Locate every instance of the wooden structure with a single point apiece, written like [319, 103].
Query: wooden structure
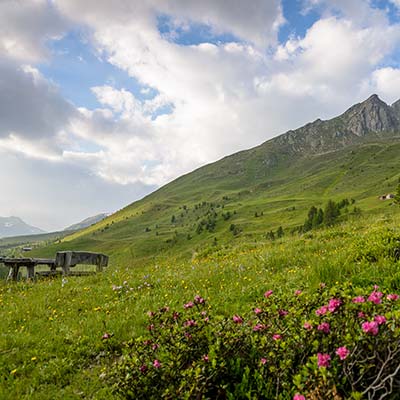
[64, 259]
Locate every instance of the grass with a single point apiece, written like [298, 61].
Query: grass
[51, 332]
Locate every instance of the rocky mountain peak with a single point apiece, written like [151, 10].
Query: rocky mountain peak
[396, 108]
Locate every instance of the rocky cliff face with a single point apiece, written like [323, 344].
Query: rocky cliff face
[371, 118]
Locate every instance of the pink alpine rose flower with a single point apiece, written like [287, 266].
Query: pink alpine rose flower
[322, 310]
[298, 292]
[370, 328]
[307, 326]
[380, 319]
[258, 327]
[298, 397]
[268, 293]
[323, 360]
[263, 361]
[324, 327]
[257, 311]
[188, 305]
[237, 319]
[342, 352]
[359, 299]
[393, 297]
[334, 304]
[375, 297]
[277, 336]
[156, 364]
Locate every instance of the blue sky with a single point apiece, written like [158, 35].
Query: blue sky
[122, 97]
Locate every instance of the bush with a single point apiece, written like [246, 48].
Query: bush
[334, 343]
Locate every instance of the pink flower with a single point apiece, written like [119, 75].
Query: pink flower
[258, 311]
[283, 313]
[334, 304]
[188, 335]
[258, 327]
[307, 326]
[190, 322]
[150, 314]
[156, 364]
[359, 299]
[342, 352]
[322, 310]
[106, 336]
[298, 397]
[155, 346]
[380, 319]
[375, 297]
[370, 327]
[298, 292]
[206, 319]
[276, 336]
[323, 360]
[143, 368]
[393, 297]
[188, 305]
[203, 313]
[237, 319]
[175, 315]
[324, 327]
[199, 300]
[263, 361]
[150, 327]
[268, 293]
[205, 358]
[361, 315]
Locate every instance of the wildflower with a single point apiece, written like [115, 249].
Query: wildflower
[342, 352]
[237, 319]
[14, 371]
[276, 336]
[205, 358]
[156, 364]
[393, 297]
[206, 319]
[298, 397]
[188, 305]
[334, 304]
[323, 360]
[370, 327]
[188, 335]
[150, 327]
[203, 313]
[263, 361]
[298, 292]
[106, 336]
[190, 322]
[361, 315]
[359, 299]
[324, 327]
[175, 315]
[199, 300]
[268, 293]
[375, 297]
[150, 314]
[257, 311]
[322, 310]
[258, 327]
[283, 313]
[155, 346]
[143, 369]
[307, 326]
[380, 319]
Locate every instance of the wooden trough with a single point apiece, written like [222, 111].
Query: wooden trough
[64, 260]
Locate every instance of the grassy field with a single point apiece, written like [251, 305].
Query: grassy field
[51, 336]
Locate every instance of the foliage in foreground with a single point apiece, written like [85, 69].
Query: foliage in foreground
[334, 343]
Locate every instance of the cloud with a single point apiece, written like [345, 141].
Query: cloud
[386, 81]
[25, 26]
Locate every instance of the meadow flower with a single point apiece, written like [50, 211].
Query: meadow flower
[150, 314]
[324, 327]
[150, 327]
[323, 360]
[361, 314]
[298, 292]
[190, 322]
[393, 297]
[263, 361]
[276, 336]
[188, 305]
[175, 315]
[380, 319]
[155, 346]
[143, 368]
[156, 364]
[334, 304]
[359, 299]
[283, 313]
[106, 336]
[307, 326]
[342, 352]
[322, 310]
[258, 327]
[370, 327]
[298, 397]
[257, 311]
[375, 297]
[205, 358]
[237, 319]
[268, 293]
[199, 300]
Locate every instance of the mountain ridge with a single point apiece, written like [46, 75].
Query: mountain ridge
[15, 226]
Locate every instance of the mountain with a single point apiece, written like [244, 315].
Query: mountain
[14, 226]
[86, 222]
[243, 196]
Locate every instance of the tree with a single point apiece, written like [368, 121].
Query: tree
[331, 213]
[173, 219]
[397, 195]
[279, 232]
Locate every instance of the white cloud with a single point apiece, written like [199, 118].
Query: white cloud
[385, 81]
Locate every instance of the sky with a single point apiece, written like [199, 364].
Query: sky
[102, 102]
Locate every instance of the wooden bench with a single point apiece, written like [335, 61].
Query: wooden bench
[64, 259]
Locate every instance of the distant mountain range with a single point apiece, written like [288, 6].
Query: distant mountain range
[86, 222]
[14, 226]
[245, 195]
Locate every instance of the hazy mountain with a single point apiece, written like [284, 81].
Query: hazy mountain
[355, 155]
[86, 222]
[14, 226]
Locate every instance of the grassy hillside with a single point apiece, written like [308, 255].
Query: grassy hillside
[255, 190]
[51, 340]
